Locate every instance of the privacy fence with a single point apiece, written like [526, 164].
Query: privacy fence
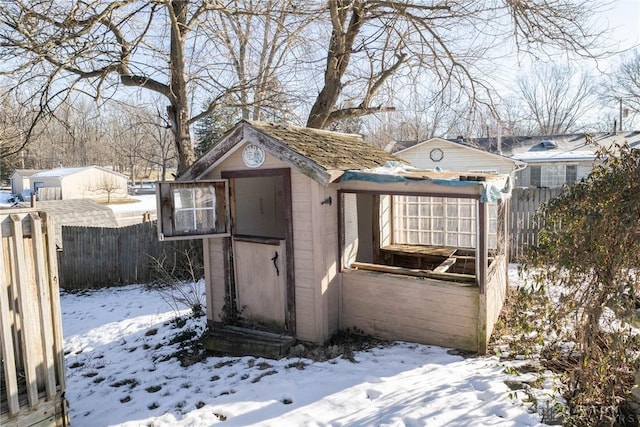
[524, 224]
[100, 257]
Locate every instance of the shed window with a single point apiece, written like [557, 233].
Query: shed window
[193, 209]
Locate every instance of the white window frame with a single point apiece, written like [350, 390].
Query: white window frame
[440, 221]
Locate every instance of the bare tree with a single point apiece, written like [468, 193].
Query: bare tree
[166, 47]
[623, 89]
[450, 42]
[108, 185]
[264, 45]
[557, 97]
[160, 150]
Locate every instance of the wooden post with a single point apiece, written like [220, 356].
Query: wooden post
[23, 301]
[54, 289]
[46, 329]
[481, 274]
[6, 340]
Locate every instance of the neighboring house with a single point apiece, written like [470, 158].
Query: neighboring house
[87, 182]
[458, 215]
[300, 238]
[556, 160]
[79, 212]
[20, 179]
[456, 156]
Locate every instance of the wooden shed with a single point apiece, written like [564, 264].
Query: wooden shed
[32, 378]
[303, 236]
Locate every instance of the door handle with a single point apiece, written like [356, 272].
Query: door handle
[275, 263]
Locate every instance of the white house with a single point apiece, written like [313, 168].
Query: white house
[87, 182]
[438, 153]
[563, 159]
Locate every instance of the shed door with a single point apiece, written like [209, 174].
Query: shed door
[262, 245]
[261, 280]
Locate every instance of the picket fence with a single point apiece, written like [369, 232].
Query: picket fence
[524, 222]
[101, 257]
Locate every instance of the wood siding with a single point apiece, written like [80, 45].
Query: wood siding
[315, 254]
[413, 309]
[214, 272]
[31, 346]
[495, 293]
[456, 157]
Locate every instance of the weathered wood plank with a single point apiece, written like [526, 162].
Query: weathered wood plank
[44, 298]
[54, 289]
[28, 358]
[446, 265]
[6, 340]
[411, 309]
[451, 277]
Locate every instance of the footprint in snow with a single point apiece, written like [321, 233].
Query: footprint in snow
[479, 385]
[373, 394]
[286, 400]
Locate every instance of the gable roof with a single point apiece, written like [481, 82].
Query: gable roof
[477, 150]
[321, 155]
[564, 147]
[63, 172]
[76, 212]
[25, 173]
[572, 147]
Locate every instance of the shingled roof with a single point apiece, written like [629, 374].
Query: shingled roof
[77, 212]
[322, 155]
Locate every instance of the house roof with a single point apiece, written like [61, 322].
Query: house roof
[26, 172]
[456, 143]
[76, 212]
[559, 148]
[322, 155]
[63, 172]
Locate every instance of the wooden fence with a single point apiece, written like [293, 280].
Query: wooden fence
[99, 257]
[524, 224]
[31, 354]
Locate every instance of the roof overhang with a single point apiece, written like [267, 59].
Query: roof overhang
[484, 187]
[243, 133]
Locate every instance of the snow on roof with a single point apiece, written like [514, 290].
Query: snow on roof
[62, 172]
[551, 156]
[26, 172]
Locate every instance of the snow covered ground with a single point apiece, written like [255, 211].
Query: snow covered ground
[118, 340]
[144, 203]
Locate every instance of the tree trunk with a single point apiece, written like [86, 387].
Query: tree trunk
[179, 110]
[338, 57]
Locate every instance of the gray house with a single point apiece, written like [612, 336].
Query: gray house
[555, 160]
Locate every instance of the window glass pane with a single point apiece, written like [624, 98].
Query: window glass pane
[205, 220]
[184, 220]
[183, 198]
[205, 197]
